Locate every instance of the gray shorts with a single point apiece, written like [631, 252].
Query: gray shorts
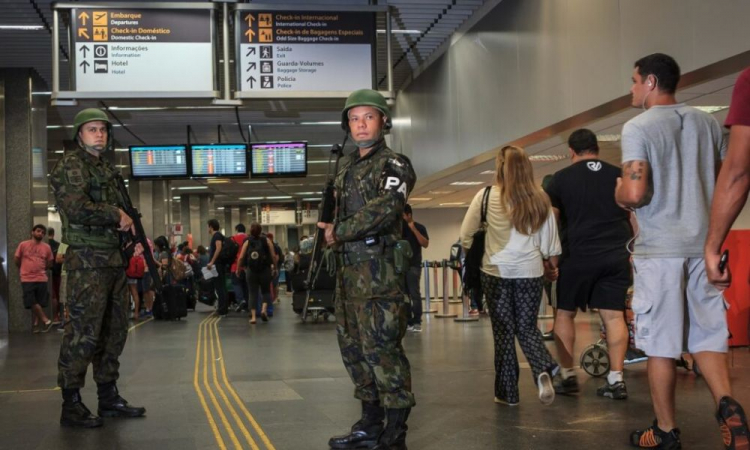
[665, 290]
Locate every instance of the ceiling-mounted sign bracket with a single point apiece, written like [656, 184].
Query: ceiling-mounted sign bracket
[137, 50]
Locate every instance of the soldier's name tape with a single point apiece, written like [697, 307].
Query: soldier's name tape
[27, 391]
[209, 341]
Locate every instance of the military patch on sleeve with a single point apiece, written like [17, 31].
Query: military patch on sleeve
[392, 181]
[74, 177]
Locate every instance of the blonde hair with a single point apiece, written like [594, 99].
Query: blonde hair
[525, 202]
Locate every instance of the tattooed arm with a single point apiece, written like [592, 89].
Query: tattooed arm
[632, 189]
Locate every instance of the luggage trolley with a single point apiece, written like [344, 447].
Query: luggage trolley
[595, 358]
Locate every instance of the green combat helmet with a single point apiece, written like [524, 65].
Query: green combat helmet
[89, 115]
[366, 97]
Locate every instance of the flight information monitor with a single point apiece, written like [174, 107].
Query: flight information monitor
[159, 161]
[278, 159]
[219, 160]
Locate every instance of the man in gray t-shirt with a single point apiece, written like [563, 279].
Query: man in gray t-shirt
[671, 154]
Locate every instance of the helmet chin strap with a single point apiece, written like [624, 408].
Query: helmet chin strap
[368, 143]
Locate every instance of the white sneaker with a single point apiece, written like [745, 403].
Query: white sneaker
[410, 328]
[546, 390]
[503, 402]
[417, 328]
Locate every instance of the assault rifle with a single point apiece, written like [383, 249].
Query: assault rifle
[139, 237]
[326, 214]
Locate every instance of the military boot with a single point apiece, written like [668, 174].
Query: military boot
[75, 413]
[112, 405]
[365, 432]
[393, 436]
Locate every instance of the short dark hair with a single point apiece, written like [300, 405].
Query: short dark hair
[583, 141]
[162, 243]
[39, 226]
[214, 224]
[50, 231]
[255, 229]
[407, 209]
[663, 67]
[240, 228]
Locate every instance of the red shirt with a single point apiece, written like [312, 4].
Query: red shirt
[739, 110]
[239, 238]
[34, 258]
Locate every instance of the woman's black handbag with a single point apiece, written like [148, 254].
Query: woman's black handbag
[473, 261]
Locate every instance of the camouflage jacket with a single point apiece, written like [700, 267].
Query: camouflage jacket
[86, 195]
[371, 194]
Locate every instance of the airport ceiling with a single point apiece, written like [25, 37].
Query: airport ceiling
[166, 121]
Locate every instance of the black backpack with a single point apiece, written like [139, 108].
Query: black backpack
[228, 253]
[473, 260]
[256, 256]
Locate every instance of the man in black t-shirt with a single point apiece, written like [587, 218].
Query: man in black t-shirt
[417, 236]
[220, 282]
[595, 271]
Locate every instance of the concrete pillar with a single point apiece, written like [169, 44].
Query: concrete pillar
[146, 206]
[227, 222]
[196, 226]
[236, 218]
[160, 207]
[242, 212]
[206, 206]
[185, 214]
[23, 183]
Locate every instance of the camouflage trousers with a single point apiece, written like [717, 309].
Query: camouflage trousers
[369, 333]
[97, 301]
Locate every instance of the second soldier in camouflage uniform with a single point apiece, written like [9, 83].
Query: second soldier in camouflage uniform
[372, 187]
[86, 193]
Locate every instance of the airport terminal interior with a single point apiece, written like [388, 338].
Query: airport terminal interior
[232, 111]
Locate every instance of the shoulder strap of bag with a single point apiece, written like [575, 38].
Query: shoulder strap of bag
[485, 204]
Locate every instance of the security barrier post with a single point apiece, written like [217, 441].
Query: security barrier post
[446, 306]
[427, 308]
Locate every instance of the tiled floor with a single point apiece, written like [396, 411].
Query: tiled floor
[292, 392]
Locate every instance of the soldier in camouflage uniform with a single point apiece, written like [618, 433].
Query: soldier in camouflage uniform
[85, 190]
[372, 187]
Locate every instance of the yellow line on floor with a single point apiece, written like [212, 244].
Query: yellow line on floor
[227, 425]
[214, 329]
[139, 324]
[196, 385]
[236, 397]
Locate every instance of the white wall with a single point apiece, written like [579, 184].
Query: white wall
[532, 63]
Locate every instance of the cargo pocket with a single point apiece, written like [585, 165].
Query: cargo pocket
[642, 304]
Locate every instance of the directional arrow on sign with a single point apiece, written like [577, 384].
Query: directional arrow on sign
[84, 17]
[83, 33]
[250, 35]
[250, 18]
[84, 49]
[252, 66]
[251, 80]
[251, 51]
[85, 65]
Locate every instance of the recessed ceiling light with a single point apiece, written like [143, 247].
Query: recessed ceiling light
[279, 197]
[608, 137]
[255, 182]
[220, 208]
[452, 204]
[121, 166]
[59, 152]
[177, 197]
[711, 109]
[467, 183]
[547, 158]
[22, 27]
[312, 199]
[323, 122]
[40, 202]
[305, 193]
[121, 149]
[419, 199]
[251, 198]
[401, 32]
[318, 161]
[185, 188]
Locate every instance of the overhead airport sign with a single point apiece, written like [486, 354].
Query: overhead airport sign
[123, 52]
[282, 52]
